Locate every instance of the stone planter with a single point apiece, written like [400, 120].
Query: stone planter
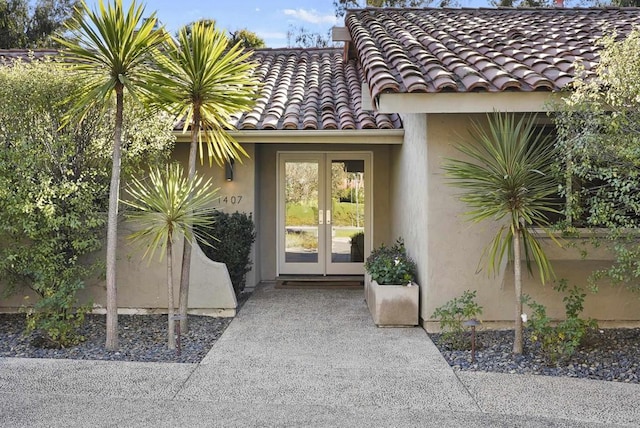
[394, 305]
[367, 287]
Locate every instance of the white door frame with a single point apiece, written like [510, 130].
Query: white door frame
[324, 266]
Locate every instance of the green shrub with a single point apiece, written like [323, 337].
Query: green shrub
[57, 316]
[54, 190]
[452, 316]
[233, 236]
[391, 265]
[558, 343]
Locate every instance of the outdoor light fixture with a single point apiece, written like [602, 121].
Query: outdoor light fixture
[228, 169]
[473, 324]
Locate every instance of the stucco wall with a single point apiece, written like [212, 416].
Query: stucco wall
[409, 180]
[268, 182]
[455, 247]
[237, 195]
[142, 284]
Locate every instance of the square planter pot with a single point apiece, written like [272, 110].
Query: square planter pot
[394, 305]
[367, 287]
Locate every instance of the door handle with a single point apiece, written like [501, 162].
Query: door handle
[328, 216]
[320, 217]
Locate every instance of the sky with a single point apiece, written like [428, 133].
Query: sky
[270, 19]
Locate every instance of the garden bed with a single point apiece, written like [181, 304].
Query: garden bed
[141, 338]
[611, 354]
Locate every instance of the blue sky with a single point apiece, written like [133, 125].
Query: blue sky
[270, 19]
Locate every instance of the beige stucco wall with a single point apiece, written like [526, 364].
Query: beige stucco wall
[453, 246]
[409, 181]
[267, 180]
[237, 195]
[142, 283]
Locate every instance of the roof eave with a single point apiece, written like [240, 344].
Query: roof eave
[466, 102]
[355, 136]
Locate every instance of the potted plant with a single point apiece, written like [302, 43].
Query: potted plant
[392, 295]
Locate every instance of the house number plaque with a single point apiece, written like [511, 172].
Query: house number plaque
[230, 199]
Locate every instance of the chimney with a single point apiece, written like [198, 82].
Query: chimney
[559, 3]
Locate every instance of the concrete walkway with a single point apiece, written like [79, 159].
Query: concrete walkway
[304, 358]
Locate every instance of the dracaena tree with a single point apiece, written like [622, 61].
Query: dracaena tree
[205, 82]
[165, 207]
[505, 175]
[110, 48]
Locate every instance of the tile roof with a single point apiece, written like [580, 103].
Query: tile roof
[305, 89]
[492, 50]
[311, 89]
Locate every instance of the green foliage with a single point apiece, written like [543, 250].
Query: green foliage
[247, 39]
[110, 50]
[599, 140]
[559, 342]
[235, 234]
[57, 315]
[53, 189]
[205, 82]
[169, 205]
[51, 198]
[299, 214]
[507, 176]
[391, 265]
[29, 24]
[452, 316]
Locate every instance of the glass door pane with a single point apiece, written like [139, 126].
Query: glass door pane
[348, 208]
[348, 215]
[301, 211]
[323, 213]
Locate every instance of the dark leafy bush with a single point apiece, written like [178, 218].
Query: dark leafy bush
[233, 235]
[391, 265]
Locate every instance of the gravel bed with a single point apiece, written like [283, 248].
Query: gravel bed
[611, 354]
[141, 338]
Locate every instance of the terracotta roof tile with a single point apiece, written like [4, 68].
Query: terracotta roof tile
[316, 89]
[313, 89]
[492, 50]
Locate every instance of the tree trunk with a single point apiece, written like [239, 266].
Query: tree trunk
[112, 227]
[517, 340]
[186, 252]
[171, 339]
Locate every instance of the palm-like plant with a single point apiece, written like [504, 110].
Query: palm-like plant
[111, 50]
[205, 82]
[508, 176]
[166, 207]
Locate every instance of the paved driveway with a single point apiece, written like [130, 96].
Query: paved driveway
[303, 358]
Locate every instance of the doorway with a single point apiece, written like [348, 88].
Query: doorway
[324, 213]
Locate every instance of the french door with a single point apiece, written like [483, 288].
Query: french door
[324, 213]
